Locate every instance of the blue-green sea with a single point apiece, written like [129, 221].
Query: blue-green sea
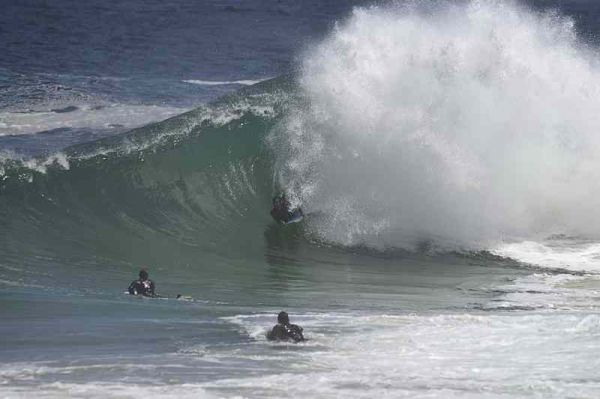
[445, 155]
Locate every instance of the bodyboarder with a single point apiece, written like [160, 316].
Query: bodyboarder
[284, 330]
[143, 286]
[282, 210]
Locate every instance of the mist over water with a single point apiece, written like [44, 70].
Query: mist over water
[458, 125]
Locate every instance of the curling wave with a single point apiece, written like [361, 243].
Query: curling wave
[181, 191]
[461, 125]
[454, 126]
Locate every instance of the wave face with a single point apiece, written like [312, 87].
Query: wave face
[455, 124]
[193, 189]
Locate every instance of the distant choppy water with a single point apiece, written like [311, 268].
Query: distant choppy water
[445, 156]
[79, 70]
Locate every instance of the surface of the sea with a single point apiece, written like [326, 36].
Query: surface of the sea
[446, 156]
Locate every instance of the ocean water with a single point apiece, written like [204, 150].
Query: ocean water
[446, 156]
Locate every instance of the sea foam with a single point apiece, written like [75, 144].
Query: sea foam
[459, 125]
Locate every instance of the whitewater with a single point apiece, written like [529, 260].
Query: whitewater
[446, 157]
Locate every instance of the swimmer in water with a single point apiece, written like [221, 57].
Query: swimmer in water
[143, 286]
[284, 330]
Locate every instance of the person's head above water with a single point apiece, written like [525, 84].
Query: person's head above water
[143, 274]
[283, 318]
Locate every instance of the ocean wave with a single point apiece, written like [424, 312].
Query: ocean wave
[191, 184]
[438, 129]
[462, 125]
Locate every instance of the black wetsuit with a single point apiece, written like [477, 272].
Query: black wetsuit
[281, 210]
[142, 287]
[286, 332]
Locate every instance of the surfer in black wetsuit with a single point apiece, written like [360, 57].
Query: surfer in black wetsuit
[284, 331]
[281, 210]
[144, 286]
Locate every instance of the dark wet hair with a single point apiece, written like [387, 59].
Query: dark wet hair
[143, 274]
[283, 318]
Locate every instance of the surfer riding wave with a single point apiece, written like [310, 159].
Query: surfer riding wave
[283, 212]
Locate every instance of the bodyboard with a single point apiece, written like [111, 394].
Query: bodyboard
[296, 216]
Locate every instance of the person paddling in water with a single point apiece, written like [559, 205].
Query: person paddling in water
[282, 212]
[284, 331]
[144, 286]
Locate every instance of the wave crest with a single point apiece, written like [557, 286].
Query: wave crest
[459, 124]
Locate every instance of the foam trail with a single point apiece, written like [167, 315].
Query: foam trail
[563, 253]
[246, 82]
[84, 116]
[458, 124]
[408, 356]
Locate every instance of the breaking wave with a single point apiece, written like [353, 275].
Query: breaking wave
[461, 125]
[450, 126]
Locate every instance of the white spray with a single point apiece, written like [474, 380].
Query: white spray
[460, 125]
